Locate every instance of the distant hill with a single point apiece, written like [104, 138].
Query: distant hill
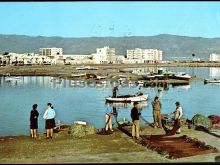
[171, 45]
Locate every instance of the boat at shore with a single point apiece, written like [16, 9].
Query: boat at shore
[128, 98]
[86, 68]
[211, 81]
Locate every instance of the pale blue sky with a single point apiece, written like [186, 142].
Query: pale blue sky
[86, 19]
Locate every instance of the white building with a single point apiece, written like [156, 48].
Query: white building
[54, 53]
[138, 55]
[104, 55]
[78, 59]
[214, 57]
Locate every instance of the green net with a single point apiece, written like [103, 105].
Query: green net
[201, 120]
[78, 130]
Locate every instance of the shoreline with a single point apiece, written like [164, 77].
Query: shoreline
[66, 71]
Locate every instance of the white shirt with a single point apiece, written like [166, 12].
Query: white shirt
[178, 113]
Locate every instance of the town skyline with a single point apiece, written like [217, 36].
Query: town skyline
[110, 19]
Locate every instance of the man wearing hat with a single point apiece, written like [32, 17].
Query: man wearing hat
[178, 114]
[135, 121]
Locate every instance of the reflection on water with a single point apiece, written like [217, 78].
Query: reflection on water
[215, 72]
[87, 102]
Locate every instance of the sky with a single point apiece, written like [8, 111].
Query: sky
[100, 19]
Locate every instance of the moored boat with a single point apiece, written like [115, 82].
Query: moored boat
[12, 78]
[211, 81]
[181, 76]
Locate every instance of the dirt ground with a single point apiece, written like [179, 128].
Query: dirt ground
[115, 148]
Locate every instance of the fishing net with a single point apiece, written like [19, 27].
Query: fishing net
[78, 130]
[215, 120]
[200, 120]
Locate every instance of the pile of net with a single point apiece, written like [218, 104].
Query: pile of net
[78, 130]
[215, 120]
[201, 120]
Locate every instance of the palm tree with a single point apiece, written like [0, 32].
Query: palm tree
[193, 55]
[9, 59]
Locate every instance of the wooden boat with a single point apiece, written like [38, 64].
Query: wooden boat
[128, 98]
[86, 68]
[211, 81]
[12, 78]
[79, 75]
[181, 76]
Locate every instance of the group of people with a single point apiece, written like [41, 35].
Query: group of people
[157, 106]
[49, 116]
[135, 115]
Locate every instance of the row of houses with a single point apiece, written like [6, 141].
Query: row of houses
[105, 55]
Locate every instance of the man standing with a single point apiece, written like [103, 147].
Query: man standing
[114, 91]
[178, 114]
[156, 104]
[135, 121]
[108, 116]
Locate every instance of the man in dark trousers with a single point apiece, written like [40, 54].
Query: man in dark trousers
[114, 91]
[135, 121]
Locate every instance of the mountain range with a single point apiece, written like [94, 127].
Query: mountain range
[173, 46]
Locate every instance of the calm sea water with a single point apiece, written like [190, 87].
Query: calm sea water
[86, 102]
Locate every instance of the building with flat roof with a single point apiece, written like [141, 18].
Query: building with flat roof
[138, 55]
[214, 57]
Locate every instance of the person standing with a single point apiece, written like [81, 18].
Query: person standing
[108, 116]
[34, 121]
[114, 91]
[156, 104]
[178, 114]
[135, 121]
[49, 116]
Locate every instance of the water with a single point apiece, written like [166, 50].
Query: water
[86, 102]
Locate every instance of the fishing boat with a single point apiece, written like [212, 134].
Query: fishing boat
[211, 81]
[101, 77]
[79, 75]
[181, 76]
[128, 98]
[148, 77]
[12, 78]
[86, 68]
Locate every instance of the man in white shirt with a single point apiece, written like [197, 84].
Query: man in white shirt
[178, 114]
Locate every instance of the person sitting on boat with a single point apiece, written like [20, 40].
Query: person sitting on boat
[108, 116]
[114, 91]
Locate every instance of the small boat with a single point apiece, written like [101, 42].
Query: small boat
[211, 81]
[101, 77]
[79, 75]
[128, 98]
[80, 122]
[182, 76]
[12, 78]
[86, 68]
[148, 77]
